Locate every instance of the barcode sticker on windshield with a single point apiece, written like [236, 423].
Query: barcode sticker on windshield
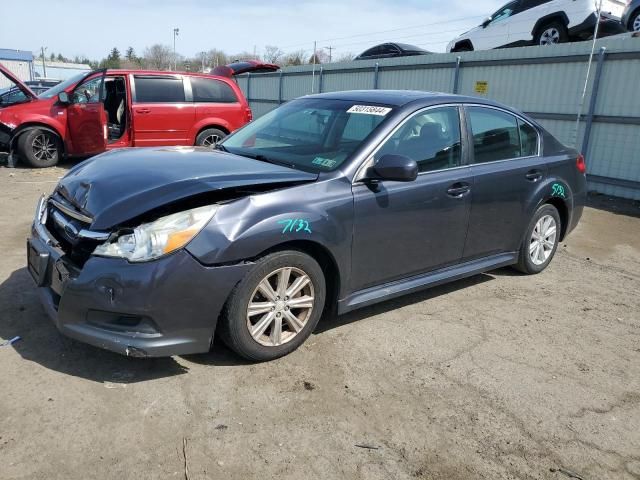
[369, 110]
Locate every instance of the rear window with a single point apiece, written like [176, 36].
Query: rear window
[212, 91]
[159, 90]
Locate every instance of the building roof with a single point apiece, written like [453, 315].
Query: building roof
[19, 55]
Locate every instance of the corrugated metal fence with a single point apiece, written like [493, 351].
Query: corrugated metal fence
[545, 82]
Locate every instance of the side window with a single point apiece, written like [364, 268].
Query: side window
[211, 91]
[504, 13]
[495, 135]
[431, 138]
[87, 92]
[157, 89]
[528, 139]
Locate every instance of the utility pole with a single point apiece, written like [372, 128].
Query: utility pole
[313, 72]
[204, 55]
[331, 49]
[176, 31]
[44, 67]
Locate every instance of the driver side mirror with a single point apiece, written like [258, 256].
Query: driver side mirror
[486, 22]
[63, 98]
[395, 167]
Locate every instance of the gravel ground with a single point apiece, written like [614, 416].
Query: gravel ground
[499, 376]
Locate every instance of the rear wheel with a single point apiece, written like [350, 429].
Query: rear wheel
[552, 33]
[634, 23]
[540, 241]
[210, 137]
[40, 148]
[275, 308]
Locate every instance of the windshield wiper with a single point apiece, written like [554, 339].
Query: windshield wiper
[221, 147]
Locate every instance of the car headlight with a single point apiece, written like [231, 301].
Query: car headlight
[155, 239]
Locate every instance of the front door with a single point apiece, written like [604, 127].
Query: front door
[507, 170]
[86, 118]
[161, 113]
[402, 229]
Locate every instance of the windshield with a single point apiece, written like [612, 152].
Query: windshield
[52, 92]
[316, 135]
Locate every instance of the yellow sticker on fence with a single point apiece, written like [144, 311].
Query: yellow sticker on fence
[482, 87]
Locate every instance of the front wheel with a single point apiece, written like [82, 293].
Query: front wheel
[210, 137]
[552, 34]
[40, 148]
[541, 241]
[275, 308]
[634, 23]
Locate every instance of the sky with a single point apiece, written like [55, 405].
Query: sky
[78, 27]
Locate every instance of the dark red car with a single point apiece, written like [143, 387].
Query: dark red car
[105, 109]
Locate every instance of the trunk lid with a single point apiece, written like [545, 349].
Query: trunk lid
[123, 184]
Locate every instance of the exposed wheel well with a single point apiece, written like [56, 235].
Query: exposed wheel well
[31, 126]
[563, 211]
[219, 127]
[554, 17]
[464, 45]
[632, 17]
[326, 261]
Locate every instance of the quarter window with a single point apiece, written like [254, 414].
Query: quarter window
[528, 139]
[495, 135]
[431, 138]
[211, 91]
[159, 89]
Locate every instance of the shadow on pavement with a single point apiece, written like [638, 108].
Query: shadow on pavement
[619, 206]
[21, 314]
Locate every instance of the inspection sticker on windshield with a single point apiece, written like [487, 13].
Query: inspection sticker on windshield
[369, 110]
[324, 162]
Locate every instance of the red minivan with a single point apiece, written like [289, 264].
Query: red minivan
[105, 109]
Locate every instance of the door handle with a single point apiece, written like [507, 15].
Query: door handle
[458, 190]
[142, 110]
[533, 175]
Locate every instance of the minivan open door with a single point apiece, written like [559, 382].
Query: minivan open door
[86, 117]
[248, 66]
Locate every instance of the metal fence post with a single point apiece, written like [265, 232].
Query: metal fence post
[280, 89]
[375, 76]
[594, 99]
[456, 77]
[320, 80]
[249, 87]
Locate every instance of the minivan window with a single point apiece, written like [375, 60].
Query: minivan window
[211, 91]
[158, 89]
[431, 138]
[495, 135]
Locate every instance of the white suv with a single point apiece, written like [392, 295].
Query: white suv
[541, 22]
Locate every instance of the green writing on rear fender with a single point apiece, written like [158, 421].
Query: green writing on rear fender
[557, 190]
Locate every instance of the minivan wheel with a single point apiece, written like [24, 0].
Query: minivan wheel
[541, 240]
[275, 308]
[40, 148]
[551, 34]
[210, 137]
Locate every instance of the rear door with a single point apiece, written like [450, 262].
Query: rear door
[86, 118]
[216, 103]
[507, 169]
[162, 114]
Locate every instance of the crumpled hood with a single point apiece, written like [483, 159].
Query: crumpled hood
[122, 184]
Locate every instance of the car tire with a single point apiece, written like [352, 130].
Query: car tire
[634, 21]
[540, 241]
[260, 328]
[552, 33]
[40, 148]
[209, 137]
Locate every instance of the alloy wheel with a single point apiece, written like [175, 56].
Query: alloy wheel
[543, 240]
[636, 23]
[280, 306]
[44, 147]
[550, 36]
[210, 141]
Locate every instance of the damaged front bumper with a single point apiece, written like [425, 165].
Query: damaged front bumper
[165, 307]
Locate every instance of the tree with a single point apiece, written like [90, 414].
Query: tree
[242, 56]
[320, 57]
[131, 54]
[272, 54]
[346, 57]
[215, 57]
[158, 57]
[52, 57]
[112, 60]
[60, 58]
[294, 58]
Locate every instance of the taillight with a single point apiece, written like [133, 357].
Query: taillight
[580, 164]
[248, 114]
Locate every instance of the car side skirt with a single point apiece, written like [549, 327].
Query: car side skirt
[399, 288]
